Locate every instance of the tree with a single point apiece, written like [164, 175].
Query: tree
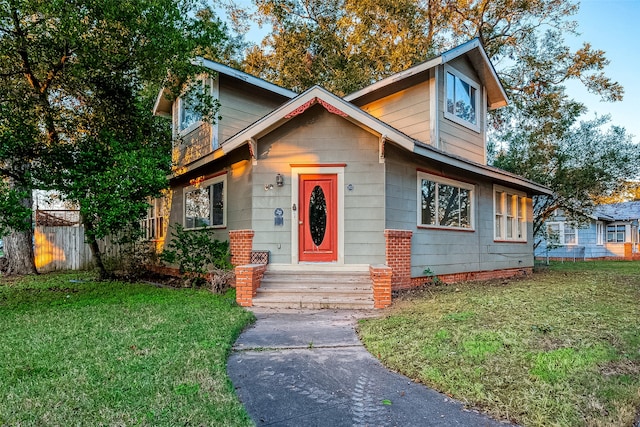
[65, 66]
[578, 163]
[345, 45]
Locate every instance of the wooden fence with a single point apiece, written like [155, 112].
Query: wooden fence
[60, 245]
[64, 248]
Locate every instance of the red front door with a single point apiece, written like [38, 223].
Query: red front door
[317, 221]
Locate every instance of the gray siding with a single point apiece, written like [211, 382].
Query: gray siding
[449, 251]
[455, 138]
[241, 105]
[238, 204]
[318, 137]
[406, 110]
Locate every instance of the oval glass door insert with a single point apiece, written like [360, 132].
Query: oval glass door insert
[317, 215]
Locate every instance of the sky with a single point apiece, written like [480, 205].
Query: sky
[613, 26]
[609, 25]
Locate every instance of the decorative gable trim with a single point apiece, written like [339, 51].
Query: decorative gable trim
[304, 107]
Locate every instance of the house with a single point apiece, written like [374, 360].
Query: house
[611, 232]
[362, 194]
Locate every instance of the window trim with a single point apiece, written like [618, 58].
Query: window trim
[452, 116]
[562, 233]
[522, 197]
[614, 224]
[212, 85]
[153, 224]
[601, 233]
[452, 183]
[207, 183]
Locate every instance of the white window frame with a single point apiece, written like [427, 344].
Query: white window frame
[616, 233]
[562, 233]
[212, 85]
[518, 229]
[452, 116]
[565, 234]
[450, 182]
[209, 182]
[600, 233]
[152, 225]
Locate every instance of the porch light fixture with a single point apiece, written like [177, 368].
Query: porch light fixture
[279, 180]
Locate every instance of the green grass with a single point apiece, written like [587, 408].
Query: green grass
[561, 348]
[79, 352]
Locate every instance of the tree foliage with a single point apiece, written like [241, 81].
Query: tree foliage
[345, 45]
[585, 160]
[72, 112]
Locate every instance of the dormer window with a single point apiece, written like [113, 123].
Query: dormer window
[189, 113]
[462, 99]
[188, 116]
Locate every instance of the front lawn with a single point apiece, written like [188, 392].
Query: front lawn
[560, 348]
[79, 352]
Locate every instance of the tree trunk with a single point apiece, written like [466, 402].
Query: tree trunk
[95, 251]
[18, 246]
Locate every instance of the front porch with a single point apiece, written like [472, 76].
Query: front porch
[314, 285]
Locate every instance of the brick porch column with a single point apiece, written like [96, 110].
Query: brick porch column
[240, 245]
[398, 257]
[248, 277]
[381, 279]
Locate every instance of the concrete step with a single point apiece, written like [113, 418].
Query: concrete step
[313, 302]
[320, 292]
[315, 289]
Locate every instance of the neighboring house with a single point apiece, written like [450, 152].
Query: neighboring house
[387, 185]
[610, 233]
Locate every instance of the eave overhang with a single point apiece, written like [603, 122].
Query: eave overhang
[337, 105]
[163, 104]
[473, 49]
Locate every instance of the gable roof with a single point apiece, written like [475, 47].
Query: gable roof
[625, 211]
[343, 108]
[473, 49]
[162, 105]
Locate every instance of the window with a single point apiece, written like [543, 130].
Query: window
[462, 99]
[204, 203]
[599, 233]
[616, 233]
[560, 234]
[444, 202]
[153, 225]
[510, 209]
[189, 112]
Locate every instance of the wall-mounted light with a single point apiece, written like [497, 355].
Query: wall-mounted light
[279, 180]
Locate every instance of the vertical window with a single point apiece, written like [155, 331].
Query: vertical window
[499, 225]
[599, 233]
[616, 233]
[204, 203]
[554, 231]
[444, 202]
[570, 236]
[190, 113]
[190, 110]
[153, 225]
[462, 99]
[510, 220]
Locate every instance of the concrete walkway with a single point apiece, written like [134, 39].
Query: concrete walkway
[308, 368]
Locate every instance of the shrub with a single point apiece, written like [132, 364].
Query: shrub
[199, 254]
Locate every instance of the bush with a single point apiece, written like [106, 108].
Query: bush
[199, 254]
